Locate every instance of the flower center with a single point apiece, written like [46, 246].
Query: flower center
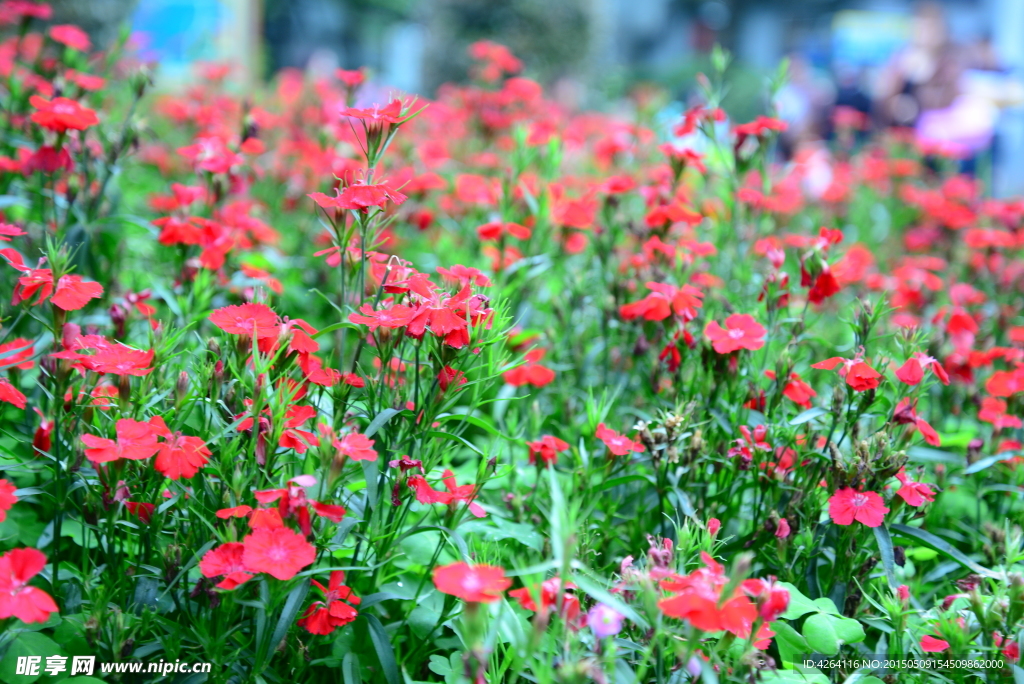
[471, 582]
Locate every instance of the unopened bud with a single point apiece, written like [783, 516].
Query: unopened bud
[181, 389]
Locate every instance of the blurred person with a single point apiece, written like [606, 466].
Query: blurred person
[922, 76]
[803, 103]
[849, 121]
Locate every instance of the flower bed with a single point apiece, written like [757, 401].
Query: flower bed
[477, 389]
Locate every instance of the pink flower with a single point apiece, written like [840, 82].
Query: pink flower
[226, 561]
[17, 598]
[7, 498]
[545, 450]
[357, 446]
[619, 445]
[247, 319]
[914, 493]
[905, 414]
[136, 440]
[472, 583]
[278, 551]
[741, 332]
[930, 644]
[857, 373]
[847, 505]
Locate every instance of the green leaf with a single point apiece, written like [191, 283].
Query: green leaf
[920, 454]
[885, 550]
[350, 669]
[335, 326]
[793, 677]
[988, 462]
[477, 421]
[808, 415]
[942, 546]
[616, 481]
[799, 605]
[292, 605]
[439, 665]
[499, 529]
[441, 434]
[789, 641]
[820, 633]
[826, 605]
[382, 645]
[848, 630]
[24, 645]
[595, 591]
[380, 420]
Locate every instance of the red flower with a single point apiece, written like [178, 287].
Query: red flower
[323, 617]
[8, 230]
[17, 598]
[698, 599]
[912, 371]
[741, 332]
[7, 498]
[394, 317]
[278, 551]
[495, 229]
[530, 373]
[796, 390]
[772, 600]
[181, 456]
[847, 505]
[135, 441]
[118, 359]
[619, 445]
[73, 293]
[428, 495]
[360, 197]
[357, 446]
[143, 511]
[472, 583]
[72, 36]
[905, 414]
[930, 644]
[17, 354]
[664, 301]
[464, 275]
[914, 493]
[858, 374]
[61, 114]
[552, 592]
[545, 451]
[390, 114]
[234, 512]
[10, 394]
[760, 126]
[449, 376]
[226, 561]
[247, 319]
[993, 411]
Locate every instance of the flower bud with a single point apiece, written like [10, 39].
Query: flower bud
[180, 389]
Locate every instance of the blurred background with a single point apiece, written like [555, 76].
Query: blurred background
[950, 69]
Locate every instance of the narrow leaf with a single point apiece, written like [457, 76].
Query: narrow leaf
[887, 553]
[942, 546]
[382, 645]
